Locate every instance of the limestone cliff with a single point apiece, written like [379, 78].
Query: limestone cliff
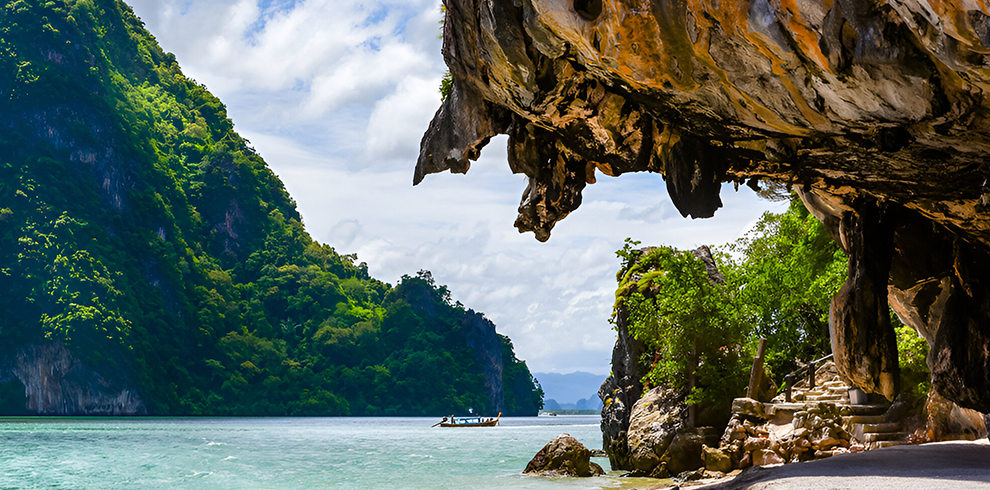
[874, 111]
[57, 383]
[482, 338]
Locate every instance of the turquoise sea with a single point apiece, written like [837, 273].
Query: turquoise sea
[286, 453]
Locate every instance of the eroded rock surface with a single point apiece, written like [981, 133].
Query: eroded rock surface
[655, 420]
[875, 111]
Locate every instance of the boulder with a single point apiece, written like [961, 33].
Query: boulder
[764, 457]
[749, 407]
[684, 451]
[563, 456]
[690, 475]
[653, 422]
[716, 459]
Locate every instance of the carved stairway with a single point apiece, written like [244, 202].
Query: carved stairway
[873, 432]
[866, 423]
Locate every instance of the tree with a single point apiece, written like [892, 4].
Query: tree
[787, 270]
[687, 322]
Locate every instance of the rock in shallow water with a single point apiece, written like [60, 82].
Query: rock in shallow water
[563, 456]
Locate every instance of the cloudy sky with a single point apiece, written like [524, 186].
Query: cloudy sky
[336, 94]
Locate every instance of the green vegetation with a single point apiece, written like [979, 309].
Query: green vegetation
[140, 230]
[912, 352]
[780, 280]
[789, 269]
[684, 320]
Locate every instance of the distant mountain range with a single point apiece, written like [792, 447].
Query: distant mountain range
[572, 391]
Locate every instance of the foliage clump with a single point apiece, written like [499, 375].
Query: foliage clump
[685, 319]
[779, 282]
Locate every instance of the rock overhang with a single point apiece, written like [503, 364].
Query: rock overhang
[874, 111]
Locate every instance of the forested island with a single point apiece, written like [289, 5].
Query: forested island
[152, 263]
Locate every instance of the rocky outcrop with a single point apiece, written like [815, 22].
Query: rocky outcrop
[57, 383]
[875, 111]
[637, 431]
[619, 393]
[659, 442]
[563, 456]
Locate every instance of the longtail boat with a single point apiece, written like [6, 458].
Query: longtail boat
[452, 421]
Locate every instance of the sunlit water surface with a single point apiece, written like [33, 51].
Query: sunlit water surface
[297, 453]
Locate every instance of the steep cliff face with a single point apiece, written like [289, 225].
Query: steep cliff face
[480, 335]
[57, 383]
[875, 111]
[486, 363]
[619, 393]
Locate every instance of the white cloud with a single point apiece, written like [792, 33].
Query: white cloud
[336, 94]
[398, 119]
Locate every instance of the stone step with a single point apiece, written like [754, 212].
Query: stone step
[883, 444]
[863, 419]
[882, 427]
[831, 384]
[885, 436]
[827, 398]
[839, 389]
[868, 409]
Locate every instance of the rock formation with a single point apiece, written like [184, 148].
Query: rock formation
[654, 421]
[874, 111]
[480, 335]
[57, 383]
[563, 456]
[638, 428]
[658, 442]
[619, 393]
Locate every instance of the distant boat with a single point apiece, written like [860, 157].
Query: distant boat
[452, 421]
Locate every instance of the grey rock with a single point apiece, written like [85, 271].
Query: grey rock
[618, 394]
[684, 451]
[655, 420]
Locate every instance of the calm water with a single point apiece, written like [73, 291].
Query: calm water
[274, 453]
